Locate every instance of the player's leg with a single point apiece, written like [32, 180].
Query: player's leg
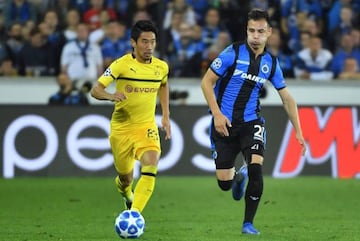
[147, 151]
[253, 193]
[124, 164]
[253, 152]
[238, 187]
[123, 184]
[224, 157]
[225, 178]
[146, 183]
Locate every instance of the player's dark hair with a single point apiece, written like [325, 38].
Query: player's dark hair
[143, 26]
[258, 14]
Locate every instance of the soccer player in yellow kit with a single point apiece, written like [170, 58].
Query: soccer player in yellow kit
[140, 79]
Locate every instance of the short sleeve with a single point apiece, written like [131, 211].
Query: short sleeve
[225, 59]
[110, 74]
[278, 80]
[166, 73]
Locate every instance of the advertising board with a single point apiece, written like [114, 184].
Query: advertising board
[38, 140]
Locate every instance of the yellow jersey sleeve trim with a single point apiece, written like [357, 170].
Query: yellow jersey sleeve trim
[142, 80]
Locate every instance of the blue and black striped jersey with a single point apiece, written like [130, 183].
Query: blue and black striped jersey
[239, 101]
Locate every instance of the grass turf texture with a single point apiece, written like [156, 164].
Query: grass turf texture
[181, 208]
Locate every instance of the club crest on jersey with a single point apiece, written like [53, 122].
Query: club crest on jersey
[157, 71]
[216, 64]
[265, 68]
[107, 72]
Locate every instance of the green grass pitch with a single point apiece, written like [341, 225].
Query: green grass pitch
[181, 208]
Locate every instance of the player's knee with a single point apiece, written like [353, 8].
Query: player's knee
[149, 170]
[125, 180]
[225, 185]
[256, 183]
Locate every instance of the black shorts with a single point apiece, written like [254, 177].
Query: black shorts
[249, 138]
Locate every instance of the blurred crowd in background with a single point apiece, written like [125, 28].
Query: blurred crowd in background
[313, 39]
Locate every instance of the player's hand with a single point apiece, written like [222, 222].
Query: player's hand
[221, 124]
[119, 96]
[165, 122]
[301, 141]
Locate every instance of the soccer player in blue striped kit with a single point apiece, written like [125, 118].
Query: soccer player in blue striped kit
[232, 86]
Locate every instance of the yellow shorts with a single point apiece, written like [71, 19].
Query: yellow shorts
[128, 146]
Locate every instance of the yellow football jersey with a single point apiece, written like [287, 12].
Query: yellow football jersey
[140, 83]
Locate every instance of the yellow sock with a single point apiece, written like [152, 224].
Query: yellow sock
[144, 188]
[125, 191]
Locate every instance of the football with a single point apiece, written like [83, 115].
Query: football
[129, 224]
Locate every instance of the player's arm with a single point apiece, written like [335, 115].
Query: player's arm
[164, 102]
[99, 92]
[220, 121]
[290, 107]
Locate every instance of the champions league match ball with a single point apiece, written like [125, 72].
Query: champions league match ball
[129, 224]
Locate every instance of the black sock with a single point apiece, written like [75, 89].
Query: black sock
[253, 191]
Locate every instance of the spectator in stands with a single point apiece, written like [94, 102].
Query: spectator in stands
[81, 5]
[6, 64]
[212, 27]
[271, 6]
[15, 42]
[310, 27]
[141, 15]
[344, 27]
[116, 42]
[67, 93]
[51, 30]
[62, 8]
[233, 15]
[301, 43]
[36, 58]
[170, 35]
[154, 9]
[188, 13]
[197, 36]
[97, 35]
[333, 17]
[222, 41]
[275, 47]
[305, 37]
[297, 16]
[142, 7]
[314, 62]
[81, 60]
[51, 19]
[40, 6]
[314, 11]
[345, 51]
[72, 22]
[3, 29]
[92, 15]
[187, 57]
[292, 16]
[200, 7]
[351, 70]
[121, 8]
[18, 11]
[355, 35]
[26, 29]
